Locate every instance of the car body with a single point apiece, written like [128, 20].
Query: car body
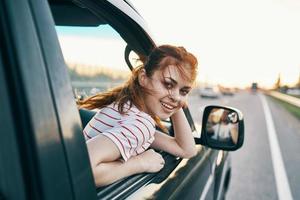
[293, 91]
[43, 153]
[254, 88]
[209, 92]
[227, 91]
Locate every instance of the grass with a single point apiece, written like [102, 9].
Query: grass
[297, 96]
[291, 108]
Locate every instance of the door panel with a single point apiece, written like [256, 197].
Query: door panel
[10, 167]
[186, 181]
[65, 107]
[37, 132]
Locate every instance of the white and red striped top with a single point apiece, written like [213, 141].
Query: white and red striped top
[132, 132]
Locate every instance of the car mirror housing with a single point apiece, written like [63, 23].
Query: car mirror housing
[222, 128]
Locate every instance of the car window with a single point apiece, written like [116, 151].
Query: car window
[94, 57]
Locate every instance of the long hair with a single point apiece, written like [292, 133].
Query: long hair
[132, 92]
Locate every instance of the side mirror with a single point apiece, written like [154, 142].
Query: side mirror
[222, 128]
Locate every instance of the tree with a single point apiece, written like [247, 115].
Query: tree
[278, 82]
[298, 83]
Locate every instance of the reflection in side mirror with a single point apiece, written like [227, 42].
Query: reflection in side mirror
[223, 128]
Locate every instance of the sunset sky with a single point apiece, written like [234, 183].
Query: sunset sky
[236, 41]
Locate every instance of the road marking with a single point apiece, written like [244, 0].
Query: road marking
[282, 183]
[207, 187]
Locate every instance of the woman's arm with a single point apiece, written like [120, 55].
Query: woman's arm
[107, 173]
[182, 144]
[104, 157]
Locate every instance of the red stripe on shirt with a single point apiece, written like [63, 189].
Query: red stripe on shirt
[127, 140]
[113, 109]
[146, 119]
[87, 134]
[99, 120]
[132, 134]
[144, 125]
[116, 110]
[141, 133]
[95, 128]
[109, 115]
[120, 143]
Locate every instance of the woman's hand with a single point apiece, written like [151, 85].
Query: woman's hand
[182, 144]
[150, 161]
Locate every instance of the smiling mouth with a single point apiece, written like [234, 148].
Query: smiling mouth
[168, 107]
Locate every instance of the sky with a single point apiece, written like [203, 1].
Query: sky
[237, 42]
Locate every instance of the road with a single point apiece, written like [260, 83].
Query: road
[253, 174]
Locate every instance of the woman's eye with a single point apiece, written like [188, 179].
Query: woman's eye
[168, 85]
[184, 92]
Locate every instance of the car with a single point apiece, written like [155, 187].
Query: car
[293, 92]
[43, 153]
[227, 91]
[254, 88]
[209, 92]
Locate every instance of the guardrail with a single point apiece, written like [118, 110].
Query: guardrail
[289, 99]
[101, 84]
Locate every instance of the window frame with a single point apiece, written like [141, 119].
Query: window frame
[48, 167]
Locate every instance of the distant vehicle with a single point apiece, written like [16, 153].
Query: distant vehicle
[293, 91]
[227, 91]
[209, 92]
[254, 87]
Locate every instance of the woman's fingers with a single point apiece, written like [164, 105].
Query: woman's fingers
[152, 161]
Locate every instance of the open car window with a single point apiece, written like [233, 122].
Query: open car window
[98, 58]
[95, 58]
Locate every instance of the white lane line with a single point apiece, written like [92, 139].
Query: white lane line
[282, 183]
[207, 187]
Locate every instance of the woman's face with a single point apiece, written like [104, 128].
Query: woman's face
[169, 92]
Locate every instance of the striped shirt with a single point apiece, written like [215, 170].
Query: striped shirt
[132, 132]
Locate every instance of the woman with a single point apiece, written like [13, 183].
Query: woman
[123, 129]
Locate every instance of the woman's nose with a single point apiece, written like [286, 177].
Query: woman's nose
[175, 96]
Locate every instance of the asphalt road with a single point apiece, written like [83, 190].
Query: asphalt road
[253, 174]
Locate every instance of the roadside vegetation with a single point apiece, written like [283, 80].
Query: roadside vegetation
[297, 96]
[291, 108]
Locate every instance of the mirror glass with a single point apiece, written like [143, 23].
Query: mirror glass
[222, 126]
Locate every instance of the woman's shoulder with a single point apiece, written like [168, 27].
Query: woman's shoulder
[145, 117]
[137, 114]
[111, 110]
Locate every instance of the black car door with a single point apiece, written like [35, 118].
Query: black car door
[42, 151]
[182, 178]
